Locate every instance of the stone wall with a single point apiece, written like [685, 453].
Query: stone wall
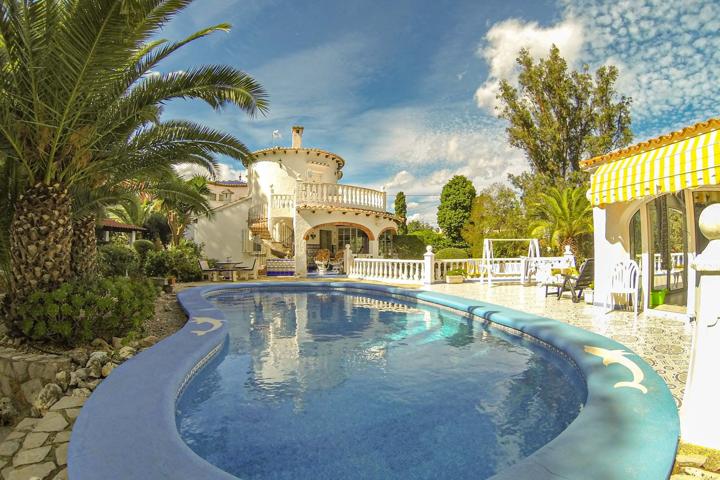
[23, 375]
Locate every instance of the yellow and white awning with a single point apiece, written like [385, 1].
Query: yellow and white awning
[686, 163]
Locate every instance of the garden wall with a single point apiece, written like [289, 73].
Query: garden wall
[22, 375]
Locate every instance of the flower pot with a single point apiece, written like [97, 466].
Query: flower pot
[657, 297]
[454, 279]
[322, 267]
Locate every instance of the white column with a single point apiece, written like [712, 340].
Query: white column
[132, 237]
[429, 266]
[106, 235]
[374, 247]
[348, 259]
[648, 264]
[700, 421]
[569, 257]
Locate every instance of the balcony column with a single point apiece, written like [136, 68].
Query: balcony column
[374, 248]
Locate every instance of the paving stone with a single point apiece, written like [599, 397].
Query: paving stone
[62, 437]
[36, 439]
[62, 475]
[61, 453]
[3, 463]
[16, 435]
[682, 476]
[52, 422]
[27, 424]
[5, 472]
[32, 455]
[72, 413]
[692, 460]
[9, 447]
[39, 471]
[703, 474]
[68, 402]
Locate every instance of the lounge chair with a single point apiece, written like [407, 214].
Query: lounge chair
[576, 284]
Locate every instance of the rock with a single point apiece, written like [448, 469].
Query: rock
[126, 352]
[8, 448]
[33, 455]
[101, 344]
[81, 392]
[148, 341]
[38, 471]
[95, 363]
[8, 412]
[90, 384]
[690, 460]
[16, 435]
[63, 379]
[52, 422]
[698, 473]
[35, 439]
[72, 413]
[68, 402]
[30, 389]
[117, 343]
[47, 397]
[79, 356]
[61, 454]
[107, 369]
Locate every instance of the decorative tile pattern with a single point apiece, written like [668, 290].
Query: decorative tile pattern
[664, 343]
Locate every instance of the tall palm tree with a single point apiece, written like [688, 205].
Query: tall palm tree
[564, 216]
[79, 112]
[133, 210]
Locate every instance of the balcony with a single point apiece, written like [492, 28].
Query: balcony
[343, 196]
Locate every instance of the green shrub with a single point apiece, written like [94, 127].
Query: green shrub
[457, 271]
[142, 247]
[79, 311]
[181, 262]
[118, 260]
[450, 253]
[408, 247]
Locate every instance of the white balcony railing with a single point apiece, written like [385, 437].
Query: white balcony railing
[282, 205]
[388, 270]
[335, 195]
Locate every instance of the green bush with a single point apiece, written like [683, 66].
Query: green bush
[408, 247]
[181, 262]
[79, 311]
[457, 271]
[142, 247]
[118, 260]
[450, 253]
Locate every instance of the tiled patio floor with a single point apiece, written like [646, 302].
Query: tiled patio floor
[662, 342]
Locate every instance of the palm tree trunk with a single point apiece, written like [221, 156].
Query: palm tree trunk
[40, 241]
[84, 247]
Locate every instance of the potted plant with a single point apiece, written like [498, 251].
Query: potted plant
[456, 275]
[322, 257]
[589, 294]
[169, 284]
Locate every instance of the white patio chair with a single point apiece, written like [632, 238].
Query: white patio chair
[625, 281]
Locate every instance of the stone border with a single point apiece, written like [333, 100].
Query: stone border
[127, 428]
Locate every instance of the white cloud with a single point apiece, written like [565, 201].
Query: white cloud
[503, 43]
[224, 171]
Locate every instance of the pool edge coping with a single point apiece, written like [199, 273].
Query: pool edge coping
[641, 446]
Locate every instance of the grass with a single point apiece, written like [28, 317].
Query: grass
[713, 456]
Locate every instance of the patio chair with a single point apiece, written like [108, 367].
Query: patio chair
[211, 274]
[576, 284]
[246, 272]
[625, 282]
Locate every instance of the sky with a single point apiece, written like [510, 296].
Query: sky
[404, 90]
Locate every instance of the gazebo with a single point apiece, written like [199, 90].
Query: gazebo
[108, 225]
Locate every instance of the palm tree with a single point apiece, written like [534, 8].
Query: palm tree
[133, 210]
[79, 109]
[564, 216]
[181, 200]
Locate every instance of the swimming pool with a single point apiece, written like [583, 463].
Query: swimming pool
[333, 384]
[130, 426]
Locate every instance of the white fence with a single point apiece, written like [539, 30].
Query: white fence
[429, 270]
[337, 195]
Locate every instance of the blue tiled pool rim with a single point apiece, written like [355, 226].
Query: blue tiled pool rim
[127, 428]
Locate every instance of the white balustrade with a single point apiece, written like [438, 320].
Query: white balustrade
[388, 270]
[677, 260]
[336, 195]
[282, 205]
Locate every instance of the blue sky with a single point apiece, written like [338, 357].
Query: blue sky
[404, 90]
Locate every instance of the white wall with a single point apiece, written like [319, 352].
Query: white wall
[281, 169]
[224, 234]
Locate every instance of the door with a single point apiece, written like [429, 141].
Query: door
[326, 239]
[669, 247]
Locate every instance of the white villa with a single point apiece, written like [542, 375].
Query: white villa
[648, 198]
[290, 207]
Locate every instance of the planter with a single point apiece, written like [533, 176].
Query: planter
[454, 279]
[657, 297]
[589, 296]
[322, 267]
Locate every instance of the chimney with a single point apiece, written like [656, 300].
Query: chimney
[297, 132]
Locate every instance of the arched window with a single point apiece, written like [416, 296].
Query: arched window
[356, 238]
[386, 243]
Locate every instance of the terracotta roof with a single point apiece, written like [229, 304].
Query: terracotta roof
[653, 143]
[314, 206]
[229, 183]
[110, 224]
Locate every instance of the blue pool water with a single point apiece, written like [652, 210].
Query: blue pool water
[342, 385]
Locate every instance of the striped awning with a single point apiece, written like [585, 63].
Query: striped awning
[687, 163]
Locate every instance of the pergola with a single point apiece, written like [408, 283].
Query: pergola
[108, 225]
